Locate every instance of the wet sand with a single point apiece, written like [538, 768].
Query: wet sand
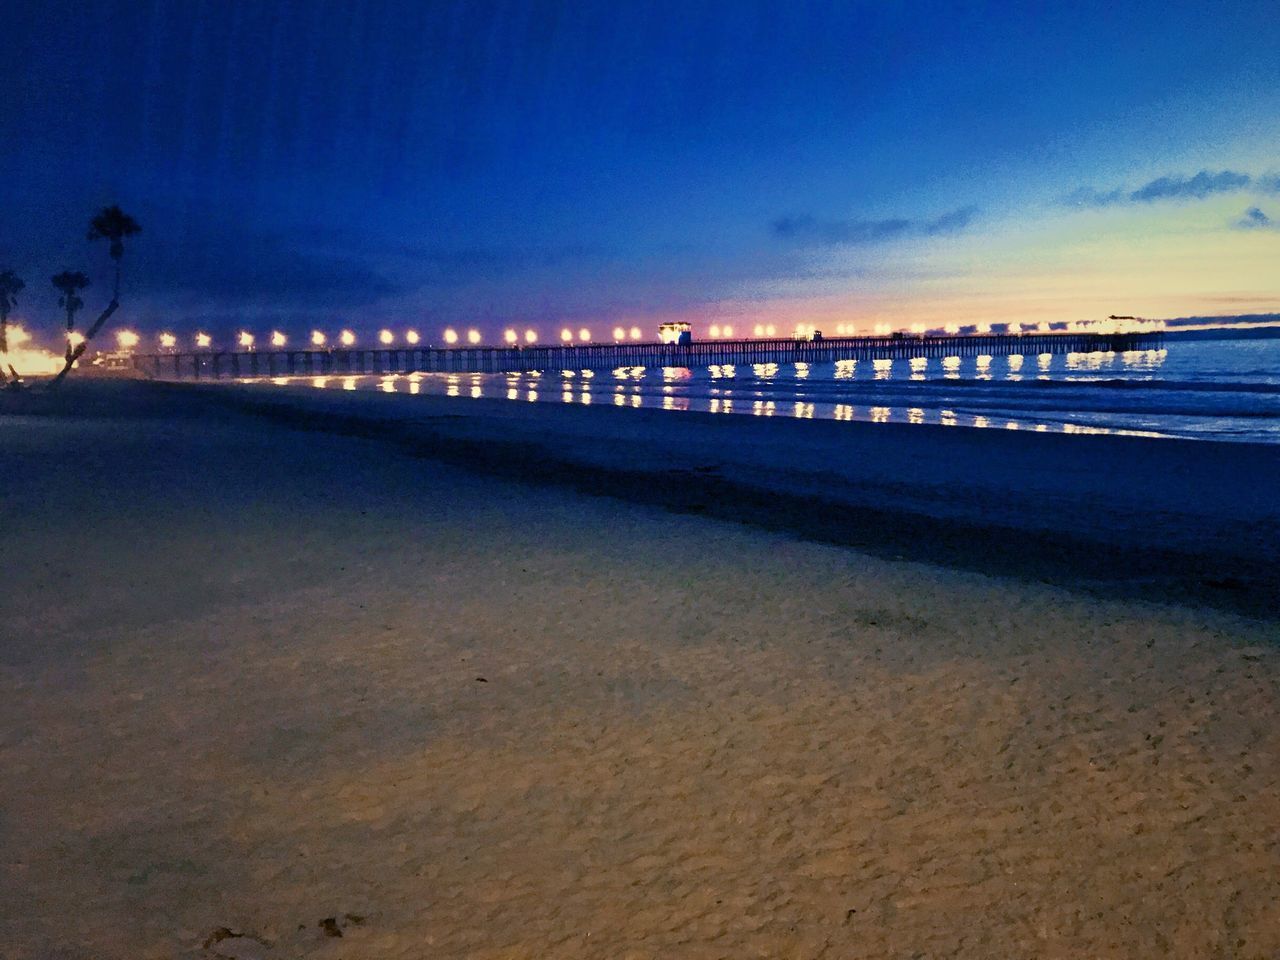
[1174, 520]
[254, 677]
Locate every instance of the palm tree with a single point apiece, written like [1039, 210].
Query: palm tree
[113, 225]
[70, 283]
[10, 286]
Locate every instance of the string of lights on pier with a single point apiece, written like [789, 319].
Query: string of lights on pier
[386, 337]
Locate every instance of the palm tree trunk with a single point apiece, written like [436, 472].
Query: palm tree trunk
[75, 354]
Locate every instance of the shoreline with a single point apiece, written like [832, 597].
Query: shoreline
[1168, 519]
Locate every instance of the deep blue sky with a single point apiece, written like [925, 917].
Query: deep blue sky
[297, 162]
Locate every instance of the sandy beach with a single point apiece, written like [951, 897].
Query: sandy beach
[290, 674]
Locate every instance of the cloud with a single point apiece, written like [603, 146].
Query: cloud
[1255, 219]
[1198, 187]
[259, 270]
[952, 222]
[812, 231]
[1177, 187]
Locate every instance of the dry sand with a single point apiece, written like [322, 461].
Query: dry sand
[253, 678]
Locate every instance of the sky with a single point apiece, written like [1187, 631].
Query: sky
[492, 163]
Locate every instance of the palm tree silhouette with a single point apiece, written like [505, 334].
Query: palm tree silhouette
[113, 225]
[70, 283]
[10, 286]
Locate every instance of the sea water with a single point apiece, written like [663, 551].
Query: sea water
[1210, 389]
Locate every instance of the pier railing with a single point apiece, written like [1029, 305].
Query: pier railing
[216, 364]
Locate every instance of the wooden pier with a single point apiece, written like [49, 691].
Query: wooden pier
[283, 362]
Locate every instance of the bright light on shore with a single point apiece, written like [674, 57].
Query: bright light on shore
[451, 336]
[531, 336]
[30, 361]
[245, 339]
[509, 336]
[584, 334]
[166, 339]
[203, 340]
[348, 338]
[278, 339]
[473, 336]
[317, 338]
[411, 336]
[386, 337]
[75, 338]
[127, 339]
[566, 335]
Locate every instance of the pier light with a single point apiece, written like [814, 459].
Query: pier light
[317, 338]
[918, 329]
[619, 333]
[278, 339]
[245, 339]
[1013, 327]
[584, 335]
[727, 331]
[566, 335]
[348, 338]
[75, 338]
[166, 339]
[203, 340]
[386, 337]
[982, 327]
[952, 328]
[473, 336]
[714, 332]
[411, 336]
[17, 335]
[451, 336]
[127, 339]
[510, 336]
[635, 333]
[1044, 327]
[531, 336]
[758, 330]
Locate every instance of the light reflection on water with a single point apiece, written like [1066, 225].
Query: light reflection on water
[1072, 393]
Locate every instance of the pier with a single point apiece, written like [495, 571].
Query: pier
[284, 362]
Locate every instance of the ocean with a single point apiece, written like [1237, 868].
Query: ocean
[1206, 390]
